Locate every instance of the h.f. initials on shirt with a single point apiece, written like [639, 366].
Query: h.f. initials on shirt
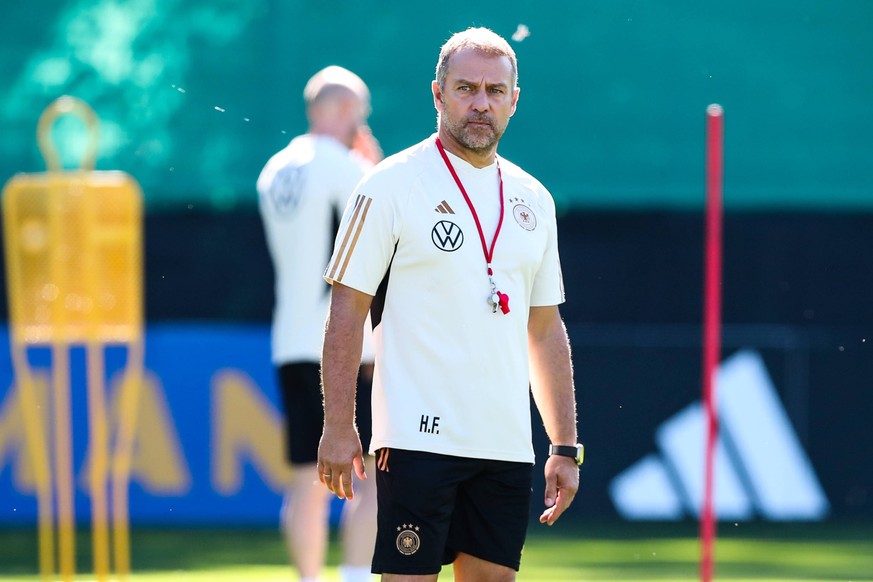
[429, 426]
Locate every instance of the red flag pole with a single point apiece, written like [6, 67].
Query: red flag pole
[711, 322]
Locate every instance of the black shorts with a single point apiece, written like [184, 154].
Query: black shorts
[430, 507]
[300, 386]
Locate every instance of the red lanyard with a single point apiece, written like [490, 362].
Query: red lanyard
[489, 252]
[497, 298]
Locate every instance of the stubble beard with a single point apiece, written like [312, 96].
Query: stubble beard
[478, 139]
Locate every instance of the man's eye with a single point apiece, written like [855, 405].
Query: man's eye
[464, 88]
[496, 90]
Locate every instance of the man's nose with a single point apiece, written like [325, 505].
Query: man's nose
[480, 100]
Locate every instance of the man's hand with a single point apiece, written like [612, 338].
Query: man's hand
[562, 482]
[339, 451]
[340, 454]
[367, 146]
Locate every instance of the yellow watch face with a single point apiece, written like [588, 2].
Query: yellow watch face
[575, 452]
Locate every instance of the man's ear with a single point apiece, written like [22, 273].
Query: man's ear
[516, 93]
[437, 96]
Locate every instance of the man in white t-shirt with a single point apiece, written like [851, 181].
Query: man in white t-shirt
[302, 191]
[453, 252]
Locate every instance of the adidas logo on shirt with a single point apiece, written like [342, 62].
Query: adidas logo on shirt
[444, 208]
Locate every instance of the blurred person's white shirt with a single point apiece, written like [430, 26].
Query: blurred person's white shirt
[302, 192]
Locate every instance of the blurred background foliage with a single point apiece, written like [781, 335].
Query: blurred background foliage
[195, 95]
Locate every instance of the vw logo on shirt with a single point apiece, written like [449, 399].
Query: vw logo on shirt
[286, 189]
[447, 236]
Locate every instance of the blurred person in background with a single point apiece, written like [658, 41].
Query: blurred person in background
[453, 251]
[302, 191]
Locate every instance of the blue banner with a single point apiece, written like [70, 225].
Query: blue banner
[208, 445]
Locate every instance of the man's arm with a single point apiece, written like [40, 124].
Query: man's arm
[339, 452]
[551, 378]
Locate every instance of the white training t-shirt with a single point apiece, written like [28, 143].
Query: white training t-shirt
[302, 191]
[451, 376]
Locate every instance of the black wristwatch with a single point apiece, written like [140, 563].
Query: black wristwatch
[575, 452]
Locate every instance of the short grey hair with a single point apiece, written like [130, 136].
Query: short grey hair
[482, 40]
[332, 82]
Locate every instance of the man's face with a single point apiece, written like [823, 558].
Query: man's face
[477, 99]
[350, 115]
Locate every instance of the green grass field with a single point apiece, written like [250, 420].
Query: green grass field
[610, 551]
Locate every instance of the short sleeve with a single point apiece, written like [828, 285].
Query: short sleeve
[548, 285]
[366, 239]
